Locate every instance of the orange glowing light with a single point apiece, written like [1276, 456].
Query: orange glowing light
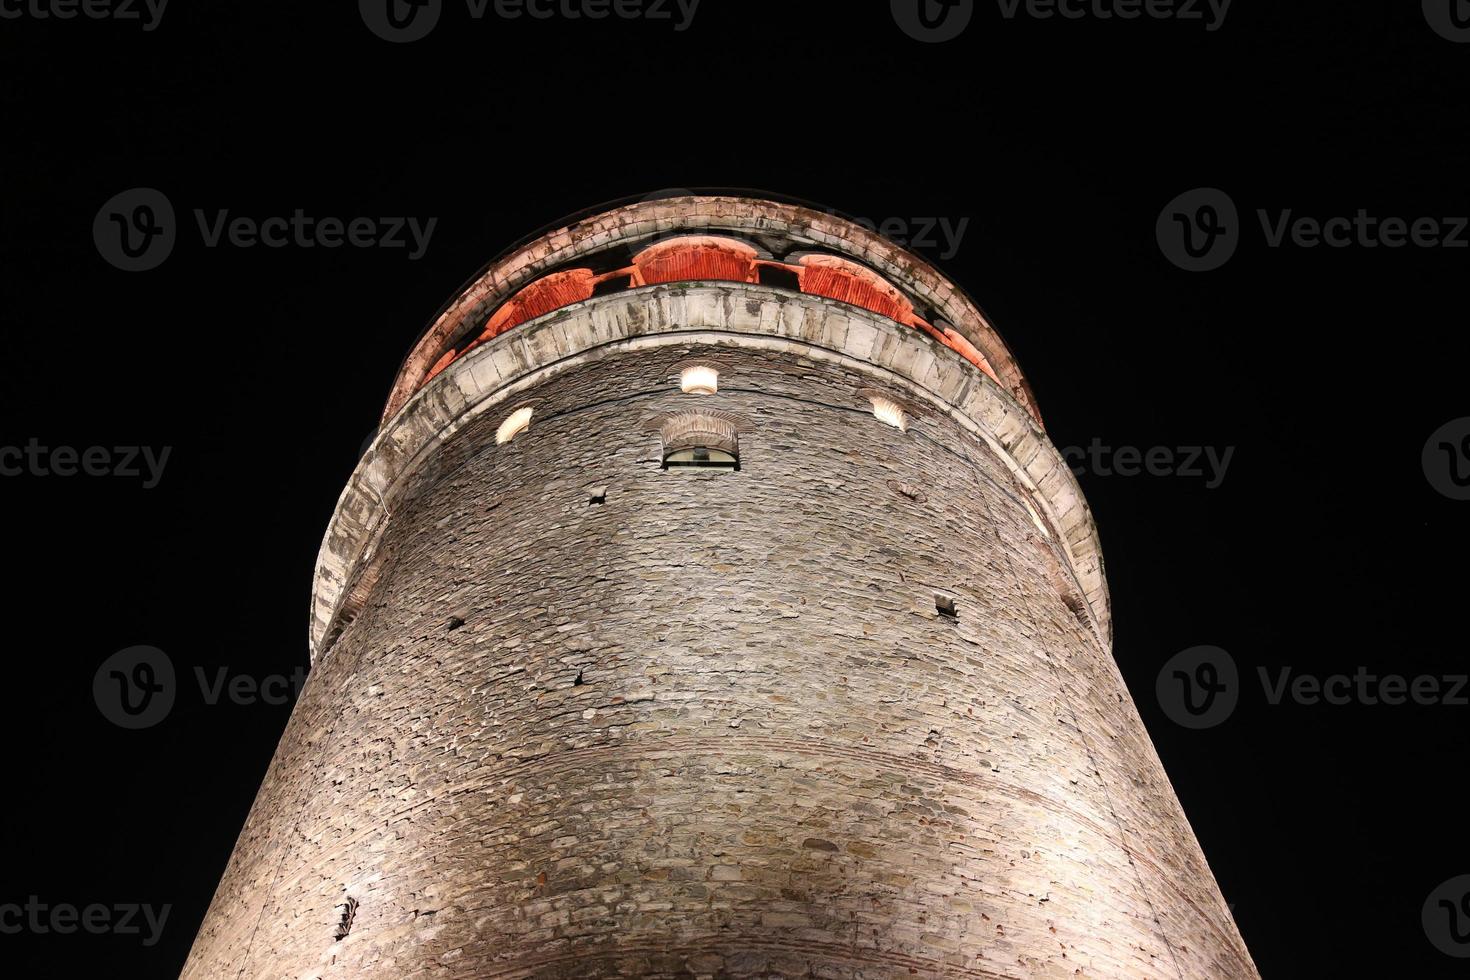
[692, 257]
[689, 258]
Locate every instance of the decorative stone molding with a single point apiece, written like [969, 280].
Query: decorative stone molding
[499, 374]
[693, 430]
[647, 220]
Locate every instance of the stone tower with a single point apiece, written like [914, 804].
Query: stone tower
[711, 603]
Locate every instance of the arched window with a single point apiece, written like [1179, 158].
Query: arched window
[705, 440]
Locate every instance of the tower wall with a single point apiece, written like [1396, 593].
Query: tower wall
[576, 715]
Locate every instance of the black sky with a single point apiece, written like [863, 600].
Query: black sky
[1324, 548]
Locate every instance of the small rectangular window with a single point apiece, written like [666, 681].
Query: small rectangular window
[714, 459]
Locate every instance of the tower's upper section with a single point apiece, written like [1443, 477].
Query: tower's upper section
[702, 239]
[714, 274]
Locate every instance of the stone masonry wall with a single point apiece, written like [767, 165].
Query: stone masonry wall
[714, 725]
[744, 316]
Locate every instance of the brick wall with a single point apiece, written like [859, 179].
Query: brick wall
[715, 725]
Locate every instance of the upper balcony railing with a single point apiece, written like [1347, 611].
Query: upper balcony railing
[708, 236]
[706, 258]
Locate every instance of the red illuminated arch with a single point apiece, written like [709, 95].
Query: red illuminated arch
[848, 282]
[689, 258]
[550, 292]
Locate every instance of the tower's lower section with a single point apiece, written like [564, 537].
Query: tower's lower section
[598, 717]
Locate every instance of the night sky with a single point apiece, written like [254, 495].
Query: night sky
[1038, 153]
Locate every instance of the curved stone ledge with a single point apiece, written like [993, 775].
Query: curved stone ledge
[729, 314]
[742, 216]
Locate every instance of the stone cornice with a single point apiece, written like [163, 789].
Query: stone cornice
[734, 315]
[752, 217]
